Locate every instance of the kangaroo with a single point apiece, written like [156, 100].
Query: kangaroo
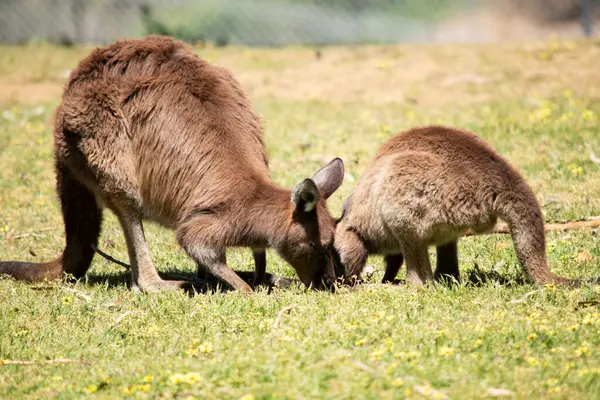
[152, 132]
[427, 187]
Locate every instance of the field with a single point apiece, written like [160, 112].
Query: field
[538, 104]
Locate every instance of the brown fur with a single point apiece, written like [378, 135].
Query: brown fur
[151, 131]
[427, 187]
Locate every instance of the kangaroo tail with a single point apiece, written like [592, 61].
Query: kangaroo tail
[82, 219]
[32, 272]
[521, 210]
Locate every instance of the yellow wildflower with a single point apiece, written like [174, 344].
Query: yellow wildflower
[551, 382]
[67, 300]
[384, 65]
[587, 320]
[532, 337]
[442, 333]
[575, 170]
[532, 361]
[206, 348]
[376, 355]
[137, 388]
[589, 371]
[92, 388]
[556, 389]
[583, 350]
[189, 378]
[192, 351]
[446, 351]
[588, 115]
[569, 366]
[265, 324]
[398, 382]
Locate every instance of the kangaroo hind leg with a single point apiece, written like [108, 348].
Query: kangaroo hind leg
[94, 142]
[446, 270]
[393, 262]
[418, 268]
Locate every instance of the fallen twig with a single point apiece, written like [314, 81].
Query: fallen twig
[592, 222]
[44, 287]
[583, 304]
[31, 234]
[525, 296]
[175, 343]
[55, 361]
[498, 392]
[364, 367]
[26, 235]
[79, 294]
[120, 317]
[280, 314]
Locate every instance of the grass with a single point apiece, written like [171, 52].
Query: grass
[538, 104]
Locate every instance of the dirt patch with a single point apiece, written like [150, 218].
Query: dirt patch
[427, 75]
[29, 93]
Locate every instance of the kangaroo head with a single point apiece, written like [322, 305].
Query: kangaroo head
[310, 233]
[348, 250]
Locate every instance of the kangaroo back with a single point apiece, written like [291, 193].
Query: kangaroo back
[428, 186]
[151, 131]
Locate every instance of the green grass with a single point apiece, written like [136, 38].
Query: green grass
[536, 103]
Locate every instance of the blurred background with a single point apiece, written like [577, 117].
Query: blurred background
[296, 22]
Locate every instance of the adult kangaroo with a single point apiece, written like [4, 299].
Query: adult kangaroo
[427, 187]
[152, 132]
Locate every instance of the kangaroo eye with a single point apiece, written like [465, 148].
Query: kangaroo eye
[317, 249]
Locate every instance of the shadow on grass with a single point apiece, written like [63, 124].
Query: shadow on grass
[475, 277]
[193, 285]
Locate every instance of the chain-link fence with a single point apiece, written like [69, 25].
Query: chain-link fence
[288, 22]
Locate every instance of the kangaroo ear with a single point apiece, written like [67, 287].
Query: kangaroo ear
[345, 206]
[330, 177]
[305, 195]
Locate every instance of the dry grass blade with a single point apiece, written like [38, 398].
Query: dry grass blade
[524, 298]
[26, 235]
[498, 392]
[121, 317]
[280, 314]
[364, 367]
[53, 361]
[44, 287]
[31, 234]
[79, 294]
